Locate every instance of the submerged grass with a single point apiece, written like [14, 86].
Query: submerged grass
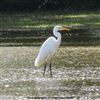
[21, 88]
[86, 82]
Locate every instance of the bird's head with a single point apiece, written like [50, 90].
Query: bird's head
[61, 29]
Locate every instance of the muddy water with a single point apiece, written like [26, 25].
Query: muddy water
[76, 74]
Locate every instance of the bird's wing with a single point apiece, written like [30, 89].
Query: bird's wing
[47, 49]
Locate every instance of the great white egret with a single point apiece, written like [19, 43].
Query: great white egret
[49, 48]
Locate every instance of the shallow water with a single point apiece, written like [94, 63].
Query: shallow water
[76, 74]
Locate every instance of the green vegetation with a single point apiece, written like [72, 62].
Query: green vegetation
[46, 20]
[33, 28]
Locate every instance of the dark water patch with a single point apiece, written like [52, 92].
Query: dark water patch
[37, 37]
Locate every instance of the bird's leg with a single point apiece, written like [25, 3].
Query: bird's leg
[50, 69]
[44, 69]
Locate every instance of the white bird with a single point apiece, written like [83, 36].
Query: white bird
[49, 48]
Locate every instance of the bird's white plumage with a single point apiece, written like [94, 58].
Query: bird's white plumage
[47, 50]
[49, 47]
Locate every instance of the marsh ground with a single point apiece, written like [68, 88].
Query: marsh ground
[76, 74]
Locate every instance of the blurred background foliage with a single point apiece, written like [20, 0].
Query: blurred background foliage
[68, 5]
[30, 22]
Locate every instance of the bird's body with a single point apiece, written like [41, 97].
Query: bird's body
[49, 48]
[47, 51]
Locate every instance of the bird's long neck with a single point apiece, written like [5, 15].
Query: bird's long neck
[58, 36]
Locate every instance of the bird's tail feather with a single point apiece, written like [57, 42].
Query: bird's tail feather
[36, 62]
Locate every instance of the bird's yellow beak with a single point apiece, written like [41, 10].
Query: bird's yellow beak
[65, 29]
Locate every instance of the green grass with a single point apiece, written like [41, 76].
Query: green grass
[46, 20]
